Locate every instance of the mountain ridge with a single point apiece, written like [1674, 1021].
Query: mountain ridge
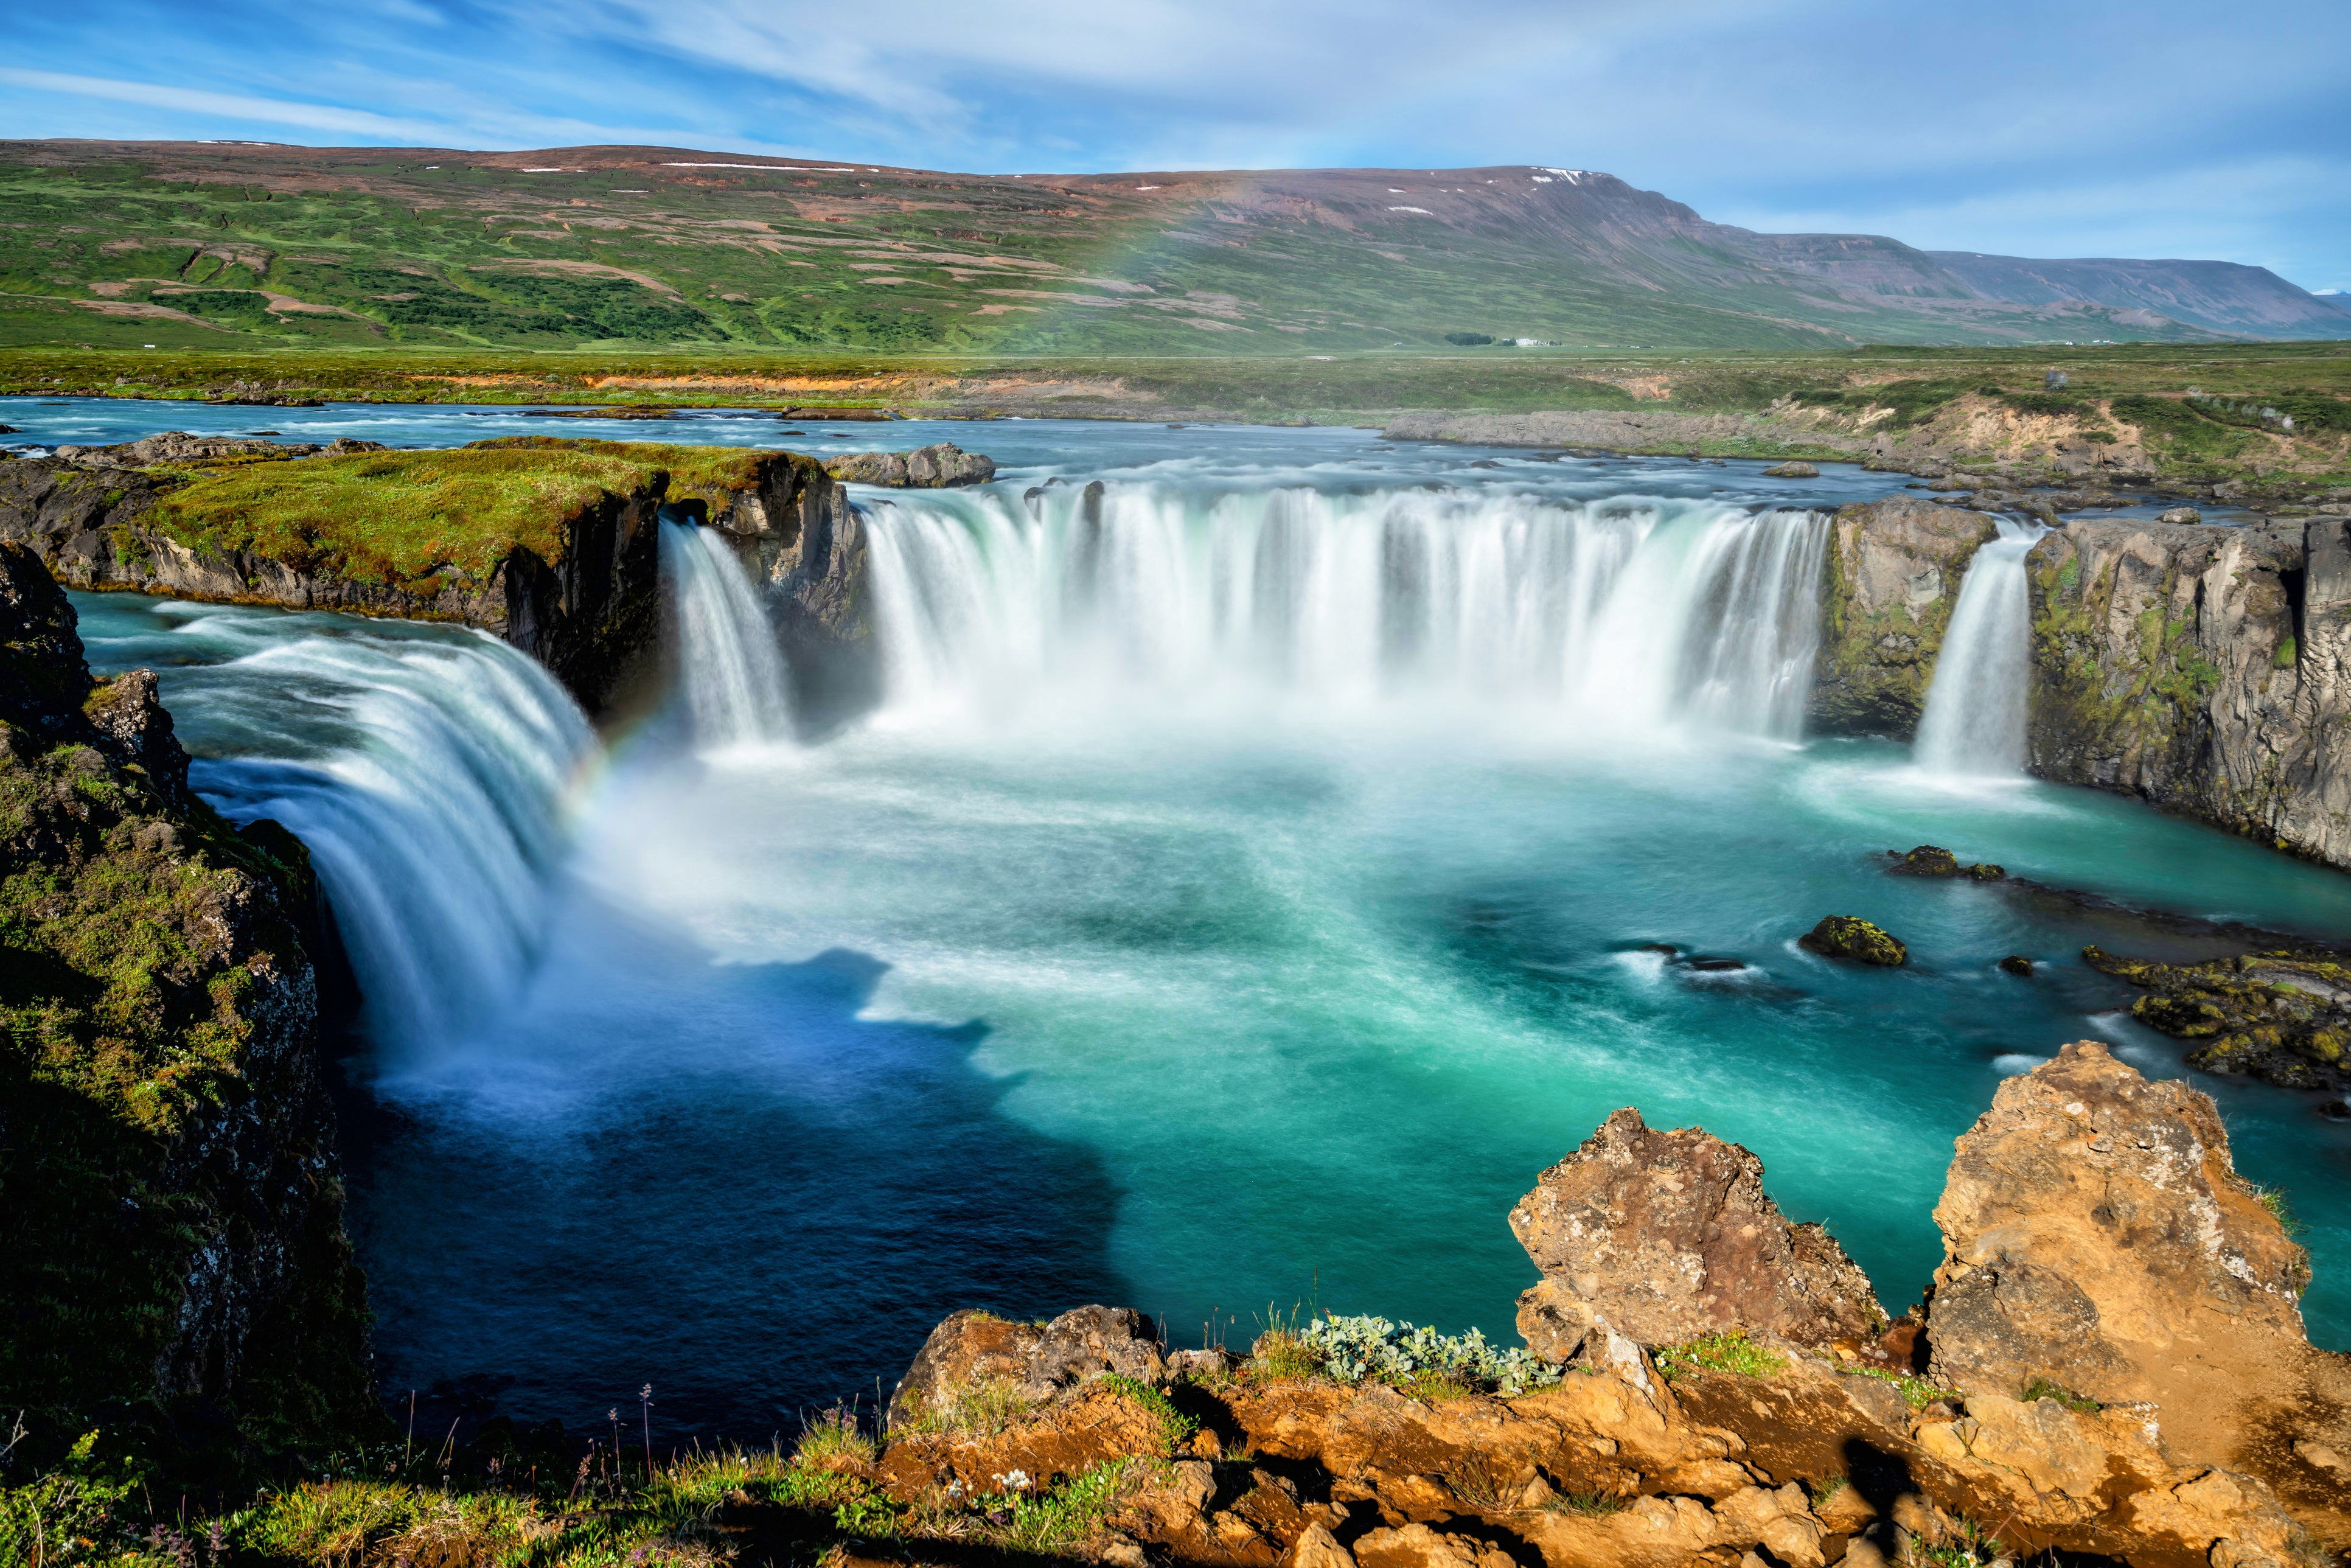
[537, 248]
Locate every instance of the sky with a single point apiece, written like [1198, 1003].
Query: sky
[2161, 129]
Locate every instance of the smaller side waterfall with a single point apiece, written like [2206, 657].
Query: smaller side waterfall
[730, 673]
[1974, 722]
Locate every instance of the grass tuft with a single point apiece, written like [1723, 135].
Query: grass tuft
[1586, 1504]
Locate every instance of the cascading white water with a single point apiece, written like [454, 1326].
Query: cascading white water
[1974, 722]
[426, 778]
[1634, 613]
[730, 673]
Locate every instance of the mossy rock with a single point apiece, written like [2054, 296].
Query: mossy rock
[2017, 964]
[1985, 870]
[1924, 860]
[1848, 936]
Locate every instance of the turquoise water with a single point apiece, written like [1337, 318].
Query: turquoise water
[1122, 961]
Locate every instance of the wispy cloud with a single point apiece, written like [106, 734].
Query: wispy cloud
[216, 105]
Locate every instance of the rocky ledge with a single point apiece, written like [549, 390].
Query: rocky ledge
[944, 465]
[550, 544]
[2110, 1361]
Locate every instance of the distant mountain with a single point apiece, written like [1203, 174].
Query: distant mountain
[193, 243]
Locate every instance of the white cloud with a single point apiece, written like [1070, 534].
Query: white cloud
[229, 106]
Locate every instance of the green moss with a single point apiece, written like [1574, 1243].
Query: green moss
[399, 518]
[2288, 651]
[1917, 1392]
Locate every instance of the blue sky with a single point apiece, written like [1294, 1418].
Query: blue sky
[2170, 127]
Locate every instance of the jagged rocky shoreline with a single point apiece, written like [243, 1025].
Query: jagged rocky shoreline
[2110, 1361]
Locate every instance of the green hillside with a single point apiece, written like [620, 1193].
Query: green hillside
[195, 247]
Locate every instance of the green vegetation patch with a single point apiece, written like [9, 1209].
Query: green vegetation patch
[1351, 1349]
[1176, 1428]
[1730, 1351]
[399, 516]
[1917, 1392]
[2050, 1388]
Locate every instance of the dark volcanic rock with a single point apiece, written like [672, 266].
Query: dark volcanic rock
[1929, 861]
[1849, 937]
[2284, 1016]
[2017, 964]
[1664, 1236]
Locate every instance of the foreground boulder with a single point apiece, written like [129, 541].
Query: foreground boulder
[2102, 1249]
[1663, 1237]
[1028, 1362]
[1851, 937]
[941, 466]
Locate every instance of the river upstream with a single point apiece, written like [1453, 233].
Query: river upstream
[1232, 906]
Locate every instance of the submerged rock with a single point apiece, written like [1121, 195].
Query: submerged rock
[1849, 937]
[2282, 1017]
[1929, 861]
[1924, 860]
[2017, 964]
[1791, 470]
[1664, 1236]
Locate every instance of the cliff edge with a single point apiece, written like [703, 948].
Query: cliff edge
[170, 1201]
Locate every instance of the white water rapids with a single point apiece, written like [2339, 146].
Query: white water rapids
[1623, 615]
[1974, 722]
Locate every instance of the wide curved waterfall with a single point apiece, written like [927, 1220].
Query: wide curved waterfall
[425, 770]
[1974, 722]
[730, 673]
[1620, 614]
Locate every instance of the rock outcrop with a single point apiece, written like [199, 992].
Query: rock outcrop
[2101, 1247]
[1855, 940]
[940, 467]
[1888, 590]
[170, 1204]
[1662, 1237]
[798, 534]
[2205, 669]
[1031, 1361]
[2284, 1016]
[1735, 1443]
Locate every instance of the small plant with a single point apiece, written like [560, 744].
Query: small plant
[1917, 1392]
[982, 1408]
[2050, 1388]
[834, 1441]
[1176, 1428]
[1730, 1351]
[1586, 1504]
[1825, 1490]
[1432, 1365]
[2279, 1205]
[1029, 1521]
[1474, 1482]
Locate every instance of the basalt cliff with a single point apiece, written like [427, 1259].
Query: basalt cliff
[171, 1208]
[2204, 668]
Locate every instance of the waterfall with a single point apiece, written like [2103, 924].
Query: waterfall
[730, 673]
[426, 778]
[1629, 613]
[1974, 722]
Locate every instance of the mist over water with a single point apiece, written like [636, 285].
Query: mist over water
[1241, 895]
